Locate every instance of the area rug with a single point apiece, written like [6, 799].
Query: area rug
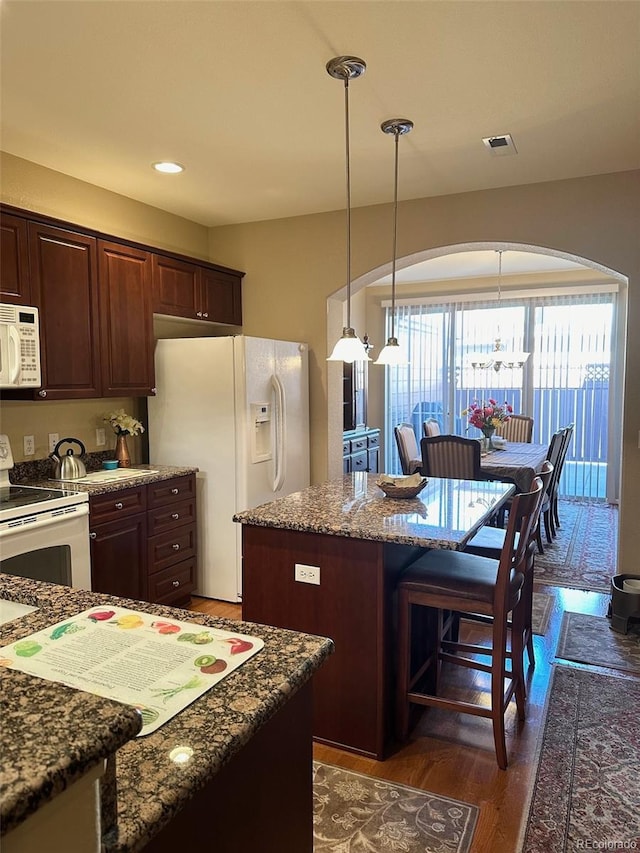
[583, 554]
[360, 814]
[541, 612]
[587, 786]
[589, 639]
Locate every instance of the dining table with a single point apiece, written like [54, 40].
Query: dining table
[326, 561]
[518, 463]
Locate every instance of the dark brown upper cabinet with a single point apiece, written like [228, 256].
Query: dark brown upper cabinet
[126, 322]
[15, 286]
[186, 290]
[64, 283]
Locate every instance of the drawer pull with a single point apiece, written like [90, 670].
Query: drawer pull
[119, 505]
[175, 546]
[176, 584]
[92, 535]
[175, 516]
[175, 491]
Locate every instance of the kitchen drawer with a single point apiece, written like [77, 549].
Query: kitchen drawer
[358, 444]
[359, 460]
[170, 491]
[373, 440]
[110, 506]
[174, 583]
[169, 517]
[346, 448]
[171, 547]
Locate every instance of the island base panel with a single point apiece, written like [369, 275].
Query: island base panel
[260, 801]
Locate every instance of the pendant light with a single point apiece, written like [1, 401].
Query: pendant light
[392, 354]
[349, 348]
[499, 357]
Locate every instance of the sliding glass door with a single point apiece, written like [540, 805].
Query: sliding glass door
[565, 380]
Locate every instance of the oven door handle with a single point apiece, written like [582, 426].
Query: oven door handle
[47, 521]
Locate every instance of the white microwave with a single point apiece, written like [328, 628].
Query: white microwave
[19, 347]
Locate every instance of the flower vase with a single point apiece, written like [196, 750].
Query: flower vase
[122, 452]
[487, 438]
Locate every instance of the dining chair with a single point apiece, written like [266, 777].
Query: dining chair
[489, 542]
[517, 428]
[451, 456]
[553, 455]
[430, 427]
[446, 580]
[408, 450]
[568, 435]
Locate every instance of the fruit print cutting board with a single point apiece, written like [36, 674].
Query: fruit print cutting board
[157, 665]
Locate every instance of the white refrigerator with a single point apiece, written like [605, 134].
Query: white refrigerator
[237, 408]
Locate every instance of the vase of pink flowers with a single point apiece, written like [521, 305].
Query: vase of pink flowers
[487, 415]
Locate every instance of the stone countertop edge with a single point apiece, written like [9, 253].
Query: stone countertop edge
[151, 788]
[164, 472]
[38, 760]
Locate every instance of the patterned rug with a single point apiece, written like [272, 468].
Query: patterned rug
[541, 612]
[359, 814]
[589, 639]
[583, 554]
[587, 786]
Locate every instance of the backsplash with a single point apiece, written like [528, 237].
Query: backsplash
[42, 469]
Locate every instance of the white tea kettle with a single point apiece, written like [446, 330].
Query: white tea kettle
[70, 466]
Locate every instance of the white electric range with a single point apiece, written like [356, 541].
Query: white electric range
[44, 533]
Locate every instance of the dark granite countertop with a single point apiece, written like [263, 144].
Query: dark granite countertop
[144, 474]
[151, 788]
[445, 514]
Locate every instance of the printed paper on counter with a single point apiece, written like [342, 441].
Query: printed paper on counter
[157, 665]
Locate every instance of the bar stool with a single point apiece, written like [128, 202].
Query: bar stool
[455, 581]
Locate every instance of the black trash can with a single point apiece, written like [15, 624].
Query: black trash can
[625, 606]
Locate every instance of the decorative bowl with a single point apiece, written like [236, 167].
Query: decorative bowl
[402, 487]
[110, 464]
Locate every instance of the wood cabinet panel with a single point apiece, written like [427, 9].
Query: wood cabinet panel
[174, 584]
[166, 518]
[64, 282]
[221, 297]
[126, 321]
[170, 491]
[15, 285]
[172, 547]
[119, 556]
[176, 287]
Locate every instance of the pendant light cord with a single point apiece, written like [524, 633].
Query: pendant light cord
[348, 177]
[395, 239]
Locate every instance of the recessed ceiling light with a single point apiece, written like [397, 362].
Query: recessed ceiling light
[168, 167]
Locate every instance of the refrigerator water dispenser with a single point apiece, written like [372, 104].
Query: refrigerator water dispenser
[261, 432]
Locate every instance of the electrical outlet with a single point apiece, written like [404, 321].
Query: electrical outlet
[54, 438]
[307, 574]
[101, 438]
[29, 445]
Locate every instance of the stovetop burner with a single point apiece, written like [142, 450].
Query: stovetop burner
[18, 496]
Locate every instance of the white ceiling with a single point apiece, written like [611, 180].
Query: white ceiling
[238, 92]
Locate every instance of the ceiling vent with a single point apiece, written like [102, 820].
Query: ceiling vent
[500, 146]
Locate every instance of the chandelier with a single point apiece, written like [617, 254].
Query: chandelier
[499, 357]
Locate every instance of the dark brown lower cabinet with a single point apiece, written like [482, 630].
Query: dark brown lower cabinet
[144, 541]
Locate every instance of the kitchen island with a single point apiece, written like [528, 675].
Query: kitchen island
[204, 777]
[326, 560]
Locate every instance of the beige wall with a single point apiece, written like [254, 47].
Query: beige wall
[294, 265]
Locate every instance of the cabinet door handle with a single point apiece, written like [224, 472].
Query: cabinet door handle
[154, 390]
[175, 491]
[118, 505]
[92, 535]
[175, 546]
[42, 393]
[206, 314]
[176, 583]
[198, 313]
[175, 516]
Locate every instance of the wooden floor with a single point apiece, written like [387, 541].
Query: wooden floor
[452, 755]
